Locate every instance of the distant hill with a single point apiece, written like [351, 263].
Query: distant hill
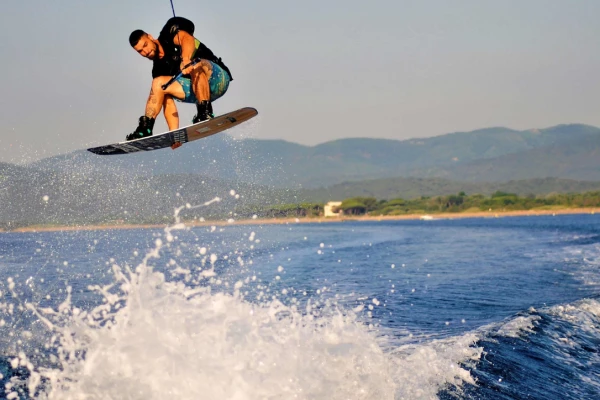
[30, 196]
[492, 154]
[578, 159]
[81, 187]
[409, 188]
[9, 170]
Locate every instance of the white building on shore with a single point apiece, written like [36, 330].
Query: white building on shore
[328, 209]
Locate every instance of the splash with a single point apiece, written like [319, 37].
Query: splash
[156, 338]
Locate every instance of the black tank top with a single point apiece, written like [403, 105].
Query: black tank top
[170, 63]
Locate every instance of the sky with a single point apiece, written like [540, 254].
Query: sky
[315, 70]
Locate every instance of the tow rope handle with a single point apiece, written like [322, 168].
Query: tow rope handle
[175, 77]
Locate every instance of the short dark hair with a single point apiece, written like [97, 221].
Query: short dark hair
[135, 37]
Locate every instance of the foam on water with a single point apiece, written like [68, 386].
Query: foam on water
[550, 344]
[584, 314]
[518, 326]
[152, 338]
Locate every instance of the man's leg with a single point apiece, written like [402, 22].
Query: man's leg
[171, 114]
[200, 74]
[210, 83]
[157, 99]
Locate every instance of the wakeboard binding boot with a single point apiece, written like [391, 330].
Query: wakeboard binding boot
[205, 111]
[143, 130]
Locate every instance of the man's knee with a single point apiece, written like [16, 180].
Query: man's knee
[158, 82]
[199, 75]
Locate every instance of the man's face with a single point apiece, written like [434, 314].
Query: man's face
[147, 47]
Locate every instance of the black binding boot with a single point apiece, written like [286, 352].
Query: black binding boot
[205, 111]
[144, 129]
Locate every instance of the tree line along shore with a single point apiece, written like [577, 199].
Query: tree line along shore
[456, 205]
[497, 202]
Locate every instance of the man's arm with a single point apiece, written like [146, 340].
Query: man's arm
[187, 44]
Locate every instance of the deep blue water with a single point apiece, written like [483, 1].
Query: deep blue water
[501, 308]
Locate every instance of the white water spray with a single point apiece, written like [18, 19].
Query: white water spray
[154, 339]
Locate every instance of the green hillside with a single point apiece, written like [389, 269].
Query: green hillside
[409, 188]
[578, 159]
[492, 154]
[30, 196]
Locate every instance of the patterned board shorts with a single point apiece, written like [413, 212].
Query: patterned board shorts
[218, 82]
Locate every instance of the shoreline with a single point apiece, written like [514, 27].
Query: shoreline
[308, 220]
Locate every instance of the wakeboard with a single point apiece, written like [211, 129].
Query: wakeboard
[179, 136]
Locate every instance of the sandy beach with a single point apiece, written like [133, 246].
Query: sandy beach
[270, 221]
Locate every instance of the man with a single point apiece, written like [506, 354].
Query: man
[201, 84]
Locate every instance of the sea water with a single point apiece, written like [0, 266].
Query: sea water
[466, 308]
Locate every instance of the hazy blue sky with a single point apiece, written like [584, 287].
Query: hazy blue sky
[315, 70]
